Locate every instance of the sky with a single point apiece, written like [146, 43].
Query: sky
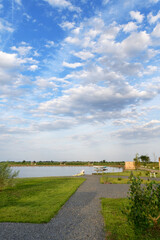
[79, 80]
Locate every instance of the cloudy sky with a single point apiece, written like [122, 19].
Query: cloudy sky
[79, 79]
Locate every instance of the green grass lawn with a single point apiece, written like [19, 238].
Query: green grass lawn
[36, 200]
[119, 180]
[136, 173]
[117, 227]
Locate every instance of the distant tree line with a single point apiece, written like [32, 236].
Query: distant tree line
[67, 163]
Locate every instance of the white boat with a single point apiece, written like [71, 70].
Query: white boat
[100, 168]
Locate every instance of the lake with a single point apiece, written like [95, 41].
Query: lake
[58, 171]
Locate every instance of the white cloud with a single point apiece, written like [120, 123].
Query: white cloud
[27, 16]
[51, 82]
[9, 61]
[67, 25]
[154, 1]
[90, 99]
[22, 50]
[156, 31]
[5, 26]
[63, 4]
[18, 2]
[132, 46]
[137, 16]
[84, 55]
[49, 44]
[73, 40]
[33, 68]
[105, 2]
[136, 43]
[142, 131]
[72, 65]
[152, 19]
[1, 5]
[130, 27]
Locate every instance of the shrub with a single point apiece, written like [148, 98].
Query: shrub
[144, 204]
[119, 178]
[6, 175]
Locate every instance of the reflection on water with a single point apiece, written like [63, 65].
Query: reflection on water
[58, 171]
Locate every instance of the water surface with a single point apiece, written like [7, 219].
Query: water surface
[57, 171]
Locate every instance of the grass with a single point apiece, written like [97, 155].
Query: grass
[36, 200]
[117, 227]
[136, 173]
[105, 180]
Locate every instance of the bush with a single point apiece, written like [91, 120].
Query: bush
[144, 204]
[6, 175]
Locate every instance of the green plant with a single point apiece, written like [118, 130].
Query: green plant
[144, 208]
[6, 175]
[137, 161]
[119, 178]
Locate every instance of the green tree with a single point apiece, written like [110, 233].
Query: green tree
[6, 175]
[137, 161]
[145, 158]
[144, 204]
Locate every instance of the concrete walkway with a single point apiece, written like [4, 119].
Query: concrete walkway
[79, 219]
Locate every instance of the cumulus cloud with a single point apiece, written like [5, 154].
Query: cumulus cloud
[52, 82]
[132, 46]
[152, 19]
[9, 61]
[84, 55]
[22, 50]
[63, 4]
[142, 131]
[33, 68]
[91, 99]
[72, 65]
[130, 27]
[67, 25]
[136, 15]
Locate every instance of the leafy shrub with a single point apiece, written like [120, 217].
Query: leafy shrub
[144, 208]
[119, 178]
[6, 175]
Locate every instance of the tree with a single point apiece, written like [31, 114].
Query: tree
[6, 175]
[144, 204]
[145, 158]
[137, 161]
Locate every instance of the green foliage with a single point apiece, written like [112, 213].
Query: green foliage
[145, 158]
[117, 226]
[6, 175]
[144, 208]
[137, 161]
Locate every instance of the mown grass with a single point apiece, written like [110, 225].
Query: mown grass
[136, 173]
[117, 226]
[36, 200]
[118, 180]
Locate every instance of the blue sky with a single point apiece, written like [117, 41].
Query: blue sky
[79, 80]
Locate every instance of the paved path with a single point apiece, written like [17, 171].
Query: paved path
[78, 219]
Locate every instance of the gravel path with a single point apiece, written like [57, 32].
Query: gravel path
[78, 219]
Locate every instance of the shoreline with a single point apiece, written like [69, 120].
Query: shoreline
[21, 165]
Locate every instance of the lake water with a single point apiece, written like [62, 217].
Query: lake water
[58, 171]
